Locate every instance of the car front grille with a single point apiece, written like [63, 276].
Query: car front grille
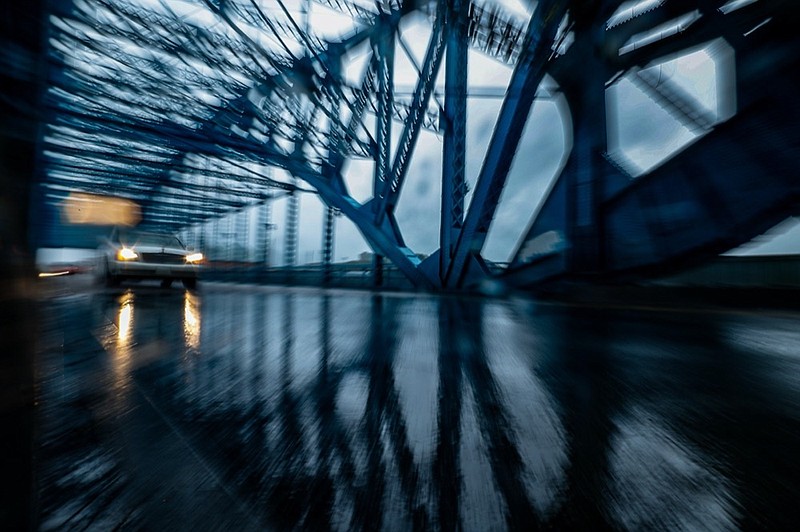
[162, 258]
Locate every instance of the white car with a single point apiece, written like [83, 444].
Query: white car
[129, 254]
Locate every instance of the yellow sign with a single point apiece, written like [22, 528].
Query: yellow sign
[93, 209]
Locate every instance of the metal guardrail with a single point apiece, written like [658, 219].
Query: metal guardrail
[339, 276]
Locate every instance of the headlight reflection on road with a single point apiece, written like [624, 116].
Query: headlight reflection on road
[122, 353]
[125, 320]
[191, 320]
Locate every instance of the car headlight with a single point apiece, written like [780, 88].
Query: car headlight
[127, 254]
[194, 258]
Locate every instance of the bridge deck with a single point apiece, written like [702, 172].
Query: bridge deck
[242, 407]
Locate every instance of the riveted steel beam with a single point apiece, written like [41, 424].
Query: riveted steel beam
[506, 136]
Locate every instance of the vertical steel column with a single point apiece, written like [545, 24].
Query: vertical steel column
[584, 172]
[266, 225]
[290, 238]
[241, 236]
[215, 241]
[335, 160]
[383, 47]
[230, 250]
[583, 195]
[204, 224]
[377, 270]
[416, 114]
[327, 245]
[508, 130]
[200, 239]
[455, 135]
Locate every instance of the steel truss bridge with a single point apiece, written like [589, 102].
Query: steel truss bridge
[194, 109]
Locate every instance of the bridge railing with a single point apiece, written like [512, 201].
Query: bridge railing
[339, 275]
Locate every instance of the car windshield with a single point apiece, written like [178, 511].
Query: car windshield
[131, 238]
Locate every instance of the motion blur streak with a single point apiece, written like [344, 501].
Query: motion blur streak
[307, 409]
[191, 320]
[93, 209]
[52, 274]
[125, 319]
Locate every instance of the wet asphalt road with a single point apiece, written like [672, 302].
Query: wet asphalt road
[252, 408]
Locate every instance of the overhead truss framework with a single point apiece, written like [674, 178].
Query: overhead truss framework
[188, 108]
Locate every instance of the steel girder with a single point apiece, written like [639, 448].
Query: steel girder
[455, 135]
[390, 188]
[596, 221]
[521, 92]
[726, 188]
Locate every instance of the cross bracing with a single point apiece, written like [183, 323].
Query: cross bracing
[182, 106]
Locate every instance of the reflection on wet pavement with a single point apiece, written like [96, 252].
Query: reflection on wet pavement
[250, 408]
